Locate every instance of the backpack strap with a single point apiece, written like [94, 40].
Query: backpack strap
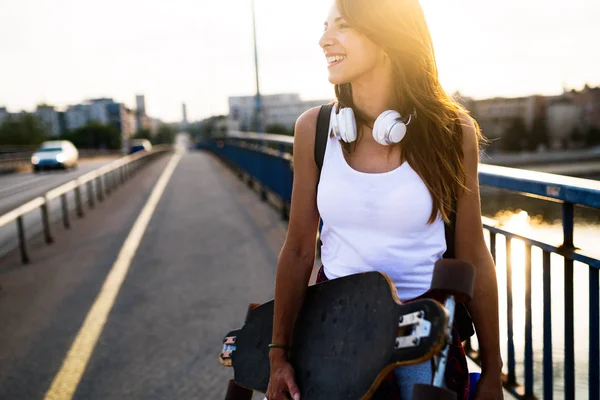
[449, 230]
[462, 318]
[321, 135]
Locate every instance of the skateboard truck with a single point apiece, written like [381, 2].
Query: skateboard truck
[453, 279]
[417, 326]
[440, 360]
[228, 348]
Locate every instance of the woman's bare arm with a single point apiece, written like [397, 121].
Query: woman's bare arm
[297, 255]
[470, 246]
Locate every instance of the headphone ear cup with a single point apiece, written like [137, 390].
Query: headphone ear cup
[350, 125]
[397, 132]
[347, 125]
[383, 126]
[335, 123]
[342, 122]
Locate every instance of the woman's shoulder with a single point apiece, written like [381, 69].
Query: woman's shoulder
[306, 127]
[471, 134]
[307, 121]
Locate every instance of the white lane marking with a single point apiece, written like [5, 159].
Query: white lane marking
[66, 381]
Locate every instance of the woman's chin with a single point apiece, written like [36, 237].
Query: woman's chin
[337, 79]
[334, 80]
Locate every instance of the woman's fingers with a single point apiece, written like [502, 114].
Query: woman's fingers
[292, 387]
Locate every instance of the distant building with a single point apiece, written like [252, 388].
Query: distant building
[154, 125]
[563, 118]
[4, 114]
[49, 119]
[98, 110]
[184, 121]
[588, 100]
[122, 119]
[281, 109]
[142, 121]
[497, 115]
[77, 116]
[62, 121]
[140, 102]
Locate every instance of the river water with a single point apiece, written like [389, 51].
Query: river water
[541, 220]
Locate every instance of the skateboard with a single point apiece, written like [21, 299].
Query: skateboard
[351, 332]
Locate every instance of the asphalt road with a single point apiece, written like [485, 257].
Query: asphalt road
[209, 250]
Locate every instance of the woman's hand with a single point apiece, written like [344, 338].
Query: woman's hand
[282, 385]
[489, 387]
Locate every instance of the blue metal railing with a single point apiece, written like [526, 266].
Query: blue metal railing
[266, 159]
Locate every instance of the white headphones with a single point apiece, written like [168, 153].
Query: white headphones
[388, 127]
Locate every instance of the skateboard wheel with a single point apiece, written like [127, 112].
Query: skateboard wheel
[236, 392]
[251, 307]
[454, 277]
[429, 392]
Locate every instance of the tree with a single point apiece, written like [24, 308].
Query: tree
[538, 135]
[209, 127]
[577, 137]
[165, 135]
[95, 136]
[23, 130]
[593, 136]
[143, 134]
[279, 129]
[515, 138]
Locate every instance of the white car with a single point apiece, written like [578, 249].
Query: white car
[55, 154]
[136, 145]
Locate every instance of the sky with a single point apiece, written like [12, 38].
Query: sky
[200, 52]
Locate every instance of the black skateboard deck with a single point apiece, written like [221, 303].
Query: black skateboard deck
[349, 334]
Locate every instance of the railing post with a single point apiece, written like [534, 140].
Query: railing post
[99, 188]
[285, 213]
[263, 173]
[22, 242]
[46, 222]
[528, 326]
[594, 356]
[547, 361]
[512, 380]
[567, 246]
[90, 194]
[78, 206]
[65, 210]
[107, 184]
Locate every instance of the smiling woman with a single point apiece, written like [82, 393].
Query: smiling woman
[397, 191]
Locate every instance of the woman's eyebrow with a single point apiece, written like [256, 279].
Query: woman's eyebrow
[338, 19]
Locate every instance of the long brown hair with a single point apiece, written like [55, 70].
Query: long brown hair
[433, 143]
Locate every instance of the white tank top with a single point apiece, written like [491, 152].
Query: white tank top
[377, 222]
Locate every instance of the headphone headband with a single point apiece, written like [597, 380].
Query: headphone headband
[389, 127]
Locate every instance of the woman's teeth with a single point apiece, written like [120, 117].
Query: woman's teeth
[332, 59]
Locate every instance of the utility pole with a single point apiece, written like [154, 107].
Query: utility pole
[257, 100]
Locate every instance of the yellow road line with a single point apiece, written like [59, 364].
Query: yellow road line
[66, 381]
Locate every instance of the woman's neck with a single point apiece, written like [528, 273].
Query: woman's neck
[372, 93]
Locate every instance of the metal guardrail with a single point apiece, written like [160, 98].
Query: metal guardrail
[98, 183]
[570, 192]
[266, 159]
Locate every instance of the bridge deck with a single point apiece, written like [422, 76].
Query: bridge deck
[210, 249]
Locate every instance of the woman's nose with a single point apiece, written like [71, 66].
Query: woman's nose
[326, 39]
